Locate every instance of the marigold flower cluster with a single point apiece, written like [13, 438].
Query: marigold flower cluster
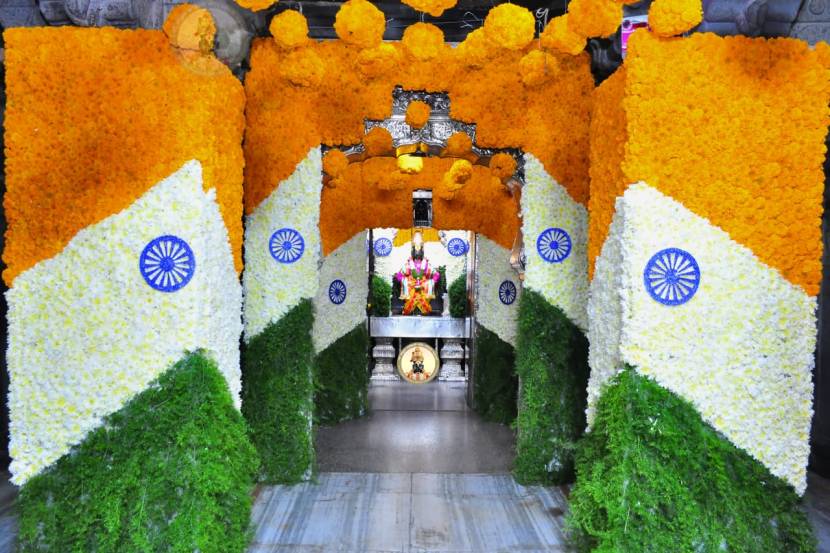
[417, 114]
[423, 41]
[503, 166]
[594, 18]
[510, 26]
[433, 7]
[674, 17]
[289, 29]
[256, 5]
[559, 36]
[360, 23]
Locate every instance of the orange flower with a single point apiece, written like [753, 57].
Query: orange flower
[503, 166]
[417, 114]
[474, 51]
[360, 23]
[459, 144]
[303, 67]
[674, 17]
[423, 41]
[510, 26]
[377, 61]
[433, 7]
[335, 163]
[558, 36]
[256, 5]
[537, 67]
[594, 18]
[289, 29]
[378, 142]
[190, 27]
[455, 179]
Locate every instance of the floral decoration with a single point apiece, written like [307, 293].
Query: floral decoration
[537, 67]
[475, 50]
[378, 142]
[86, 332]
[417, 114]
[435, 8]
[360, 23]
[289, 29]
[437, 254]
[671, 276]
[674, 17]
[276, 283]
[494, 269]
[378, 61]
[594, 18]
[779, 90]
[503, 166]
[147, 139]
[456, 178]
[510, 26]
[459, 144]
[256, 5]
[167, 263]
[340, 302]
[191, 28]
[335, 163]
[559, 36]
[423, 41]
[410, 164]
[741, 351]
[303, 67]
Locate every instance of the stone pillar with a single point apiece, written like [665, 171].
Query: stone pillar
[384, 356]
[452, 354]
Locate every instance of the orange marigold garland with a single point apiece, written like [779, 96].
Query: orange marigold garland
[190, 27]
[289, 29]
[503, 166]
[510, 26]
[417, 114]
[303, 67]
[674, 17]
[423, 41]
[537, 67]
[335, 163]
[378, 142]
[475, 50]
[256, 5]
[433, 7]
[360, 23]
[377, 61]
[455, 179]
[459, 145]
[594, 18]
[559, 36]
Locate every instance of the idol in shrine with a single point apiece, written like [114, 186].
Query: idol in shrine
[418, 279]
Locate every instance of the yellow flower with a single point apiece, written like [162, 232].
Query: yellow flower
[510, 26]
[594, 18]
[433, 7]
[537, 67]
[289, 29]
[377, 61]
[674, 17]
[423, 41]
[256, 5]
[409, 164]
[360, 23]
[417, 114]
[190, 27]
[558, 36]
[303, 67]
[474, 50]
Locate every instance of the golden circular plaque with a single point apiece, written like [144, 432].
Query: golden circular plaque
[418, 363]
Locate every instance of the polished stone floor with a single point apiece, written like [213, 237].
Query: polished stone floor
[415, 428]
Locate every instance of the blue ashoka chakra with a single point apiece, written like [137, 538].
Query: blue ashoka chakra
[507, 292]
[672, 276]
[286, 245]
[383, 247]
[167, 263]
[457, 247]
[554, 245]
[337, 291]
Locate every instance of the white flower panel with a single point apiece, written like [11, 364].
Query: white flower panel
[493, 270]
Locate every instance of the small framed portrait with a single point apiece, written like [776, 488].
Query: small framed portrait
[418, 363]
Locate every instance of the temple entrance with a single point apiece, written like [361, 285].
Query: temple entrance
[422, 412]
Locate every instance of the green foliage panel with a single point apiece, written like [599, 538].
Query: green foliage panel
[278, 396]
[342, 378]
[495, 384]
[381, 297]
[458, 296]
[552, 363]
[654, 477]
[173, 470]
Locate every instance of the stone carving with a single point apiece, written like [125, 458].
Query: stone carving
[20, 13]
[813, 22]
[384, 355]
[452, 355]
[749, 17]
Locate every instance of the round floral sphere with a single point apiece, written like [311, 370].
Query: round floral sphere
[433, 7]
[377, 61]
[459, 144]
[303, 67]
[502, 165]
[594, 18]
[190, 27]
[360, 23]
[335, 163]
[454, 180]
[510, 26]
[475, 50]
[674, 17]
[256, 5]
[417, 114]
[423, 41]
[537, 68]
[559, 36]
[378, 142]
[289, 29]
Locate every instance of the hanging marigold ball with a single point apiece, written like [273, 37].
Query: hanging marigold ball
[475, 50]
[335, 163]
[537, 67]
[256, 5]
[360, 23]
[435, 8]
[558, 36]
[503, 166]
[289, 29]
[459, 144]
[378, 142]
[456, 178]
[594, 18]
[417, 114]
[674, 17]
[423, 41]
[510, 26]
[190, 27]
[377, 61]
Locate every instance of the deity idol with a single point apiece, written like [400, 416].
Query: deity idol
[418, 279]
